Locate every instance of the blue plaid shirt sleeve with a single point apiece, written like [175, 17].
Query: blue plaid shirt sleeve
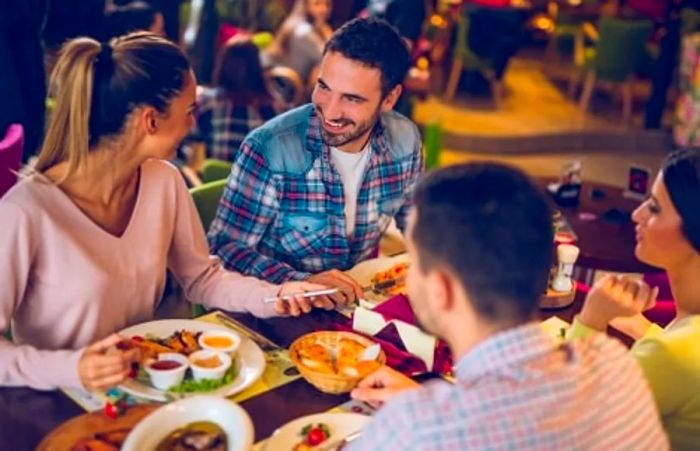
[248, 206]
[416, 171]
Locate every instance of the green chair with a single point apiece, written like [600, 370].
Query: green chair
[213, 169]
[463, 58]
[619, 51]
[206, 198]
[567, 20]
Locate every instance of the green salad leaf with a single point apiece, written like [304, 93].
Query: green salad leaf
[189, 385]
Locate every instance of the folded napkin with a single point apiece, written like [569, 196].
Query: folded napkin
[393, 325]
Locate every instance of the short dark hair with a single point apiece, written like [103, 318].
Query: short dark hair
[376, 44]
[681, 175]
[492, 227]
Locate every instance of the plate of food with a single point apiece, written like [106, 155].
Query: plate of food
[381, 278]
[314, 432]
[94, 431]
[183, 358]
[203, 423]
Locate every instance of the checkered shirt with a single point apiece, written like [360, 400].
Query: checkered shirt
[283, 227]
[518, 390]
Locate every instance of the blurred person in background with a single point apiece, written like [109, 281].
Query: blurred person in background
[133, 16]
[299, 42]
[69, 19]
[406, 15]
[22, 76]
[238, 103]
[199, 38]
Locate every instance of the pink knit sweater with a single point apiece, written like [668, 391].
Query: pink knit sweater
[66, 282]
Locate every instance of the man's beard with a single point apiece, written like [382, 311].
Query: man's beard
[341, 139]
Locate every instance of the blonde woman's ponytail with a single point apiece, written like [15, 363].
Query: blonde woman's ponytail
[97, 86]
[71, 86]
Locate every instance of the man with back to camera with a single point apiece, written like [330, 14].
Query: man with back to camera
[480, 245]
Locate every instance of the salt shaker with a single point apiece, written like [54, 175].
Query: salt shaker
[566, 256]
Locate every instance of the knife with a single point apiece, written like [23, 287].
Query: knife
[339, 444]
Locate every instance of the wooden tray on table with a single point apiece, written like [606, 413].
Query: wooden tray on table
[67, 435]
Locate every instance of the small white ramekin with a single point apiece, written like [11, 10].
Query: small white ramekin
[164, 379]
[234, 337]
[200, 372]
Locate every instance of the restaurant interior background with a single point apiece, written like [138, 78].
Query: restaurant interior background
[607, 86]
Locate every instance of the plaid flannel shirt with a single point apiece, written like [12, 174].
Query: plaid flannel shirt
[222, 125]
[518, 390]
[282, 217]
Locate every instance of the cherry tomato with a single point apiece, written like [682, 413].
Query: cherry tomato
[315, 436]
[112, 411]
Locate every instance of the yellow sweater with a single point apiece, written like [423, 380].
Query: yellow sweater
[670, 359]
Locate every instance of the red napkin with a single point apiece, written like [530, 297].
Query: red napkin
[397, 356]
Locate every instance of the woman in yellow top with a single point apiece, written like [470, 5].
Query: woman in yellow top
[668, 236]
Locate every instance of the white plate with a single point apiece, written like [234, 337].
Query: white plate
[228, 415]
[250, 359]
[364, 271]
[340, 424]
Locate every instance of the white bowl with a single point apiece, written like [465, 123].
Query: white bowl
[233, 337]
[201, 372]
[164, 379]
[228, 415]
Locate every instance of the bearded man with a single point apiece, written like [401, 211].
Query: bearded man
[311, 192]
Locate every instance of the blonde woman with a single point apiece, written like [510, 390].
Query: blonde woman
[299, 42]
[87, 238]
[668, 236]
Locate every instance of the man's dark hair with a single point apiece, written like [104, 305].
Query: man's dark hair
[492, 227]
[376, 44]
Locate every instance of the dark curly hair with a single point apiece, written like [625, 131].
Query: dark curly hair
[376, 44]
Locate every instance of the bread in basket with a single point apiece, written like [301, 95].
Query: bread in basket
[330, 360]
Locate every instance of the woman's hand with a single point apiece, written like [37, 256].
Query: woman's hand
[297, 304]
[103, 366]
[616, 297]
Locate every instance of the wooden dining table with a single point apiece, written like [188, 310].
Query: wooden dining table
[27, 416]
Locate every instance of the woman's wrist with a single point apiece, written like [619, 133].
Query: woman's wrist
[592, 320]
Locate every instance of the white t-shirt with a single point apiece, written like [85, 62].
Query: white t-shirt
[351, 167]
